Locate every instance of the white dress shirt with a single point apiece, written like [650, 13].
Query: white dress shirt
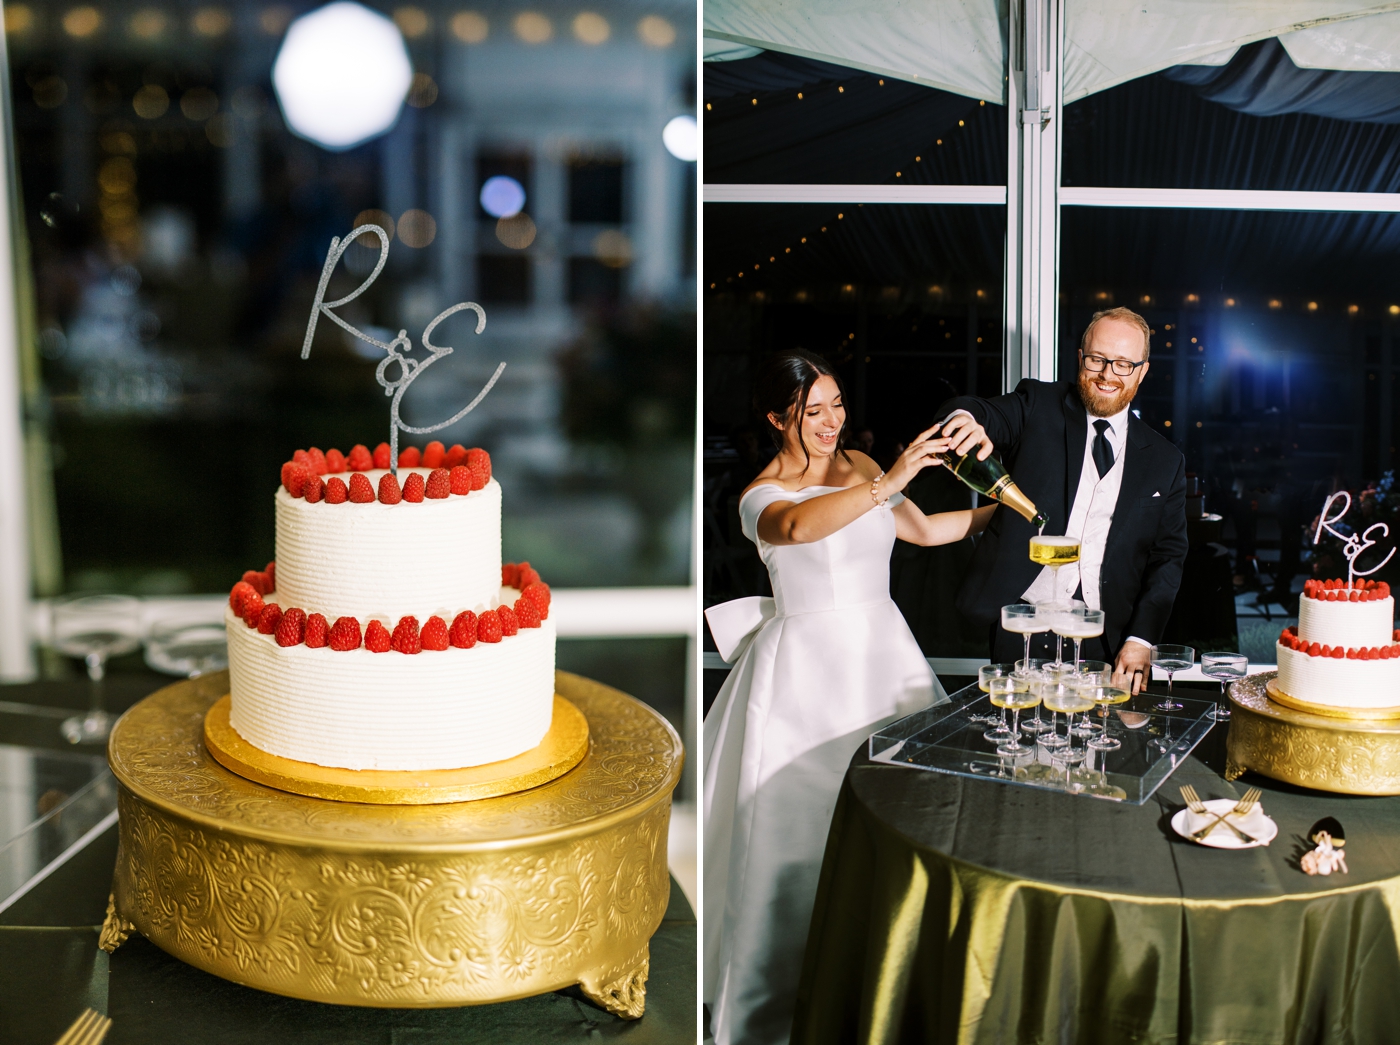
[1090, 518]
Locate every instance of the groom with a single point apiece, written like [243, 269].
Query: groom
[1100, 474]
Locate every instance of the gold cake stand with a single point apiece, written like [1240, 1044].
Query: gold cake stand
[1352, 756]
[397, 905]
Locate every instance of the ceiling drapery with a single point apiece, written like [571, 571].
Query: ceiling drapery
[960, 45]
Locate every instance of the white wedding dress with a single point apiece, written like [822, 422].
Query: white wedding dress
[834, 662]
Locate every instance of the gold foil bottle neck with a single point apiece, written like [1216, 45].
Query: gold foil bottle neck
[1011, 496]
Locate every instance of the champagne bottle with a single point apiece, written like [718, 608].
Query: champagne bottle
[990, 479]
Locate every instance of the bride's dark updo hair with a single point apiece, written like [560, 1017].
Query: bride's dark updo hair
[785, 379]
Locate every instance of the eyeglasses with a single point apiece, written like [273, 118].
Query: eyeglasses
[1121, 367]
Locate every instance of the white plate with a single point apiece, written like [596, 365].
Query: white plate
[1254, 823]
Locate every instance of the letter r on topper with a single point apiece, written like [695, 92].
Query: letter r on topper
[396, 351]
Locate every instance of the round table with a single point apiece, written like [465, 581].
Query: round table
[958, 910]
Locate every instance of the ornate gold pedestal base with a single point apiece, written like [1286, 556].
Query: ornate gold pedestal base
[397, 905]
[1353, 757]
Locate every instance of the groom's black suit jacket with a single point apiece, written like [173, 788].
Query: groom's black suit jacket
[1039, 431]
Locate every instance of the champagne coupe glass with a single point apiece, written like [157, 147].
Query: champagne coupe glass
[179, 647]
[1172, 659]
[1013, 692]
[1020, 618]
[1050, 612]
[1079, 623]
[94, 628]
[1054, 552]
[1225, 667]
[985, 674]
[1071, 700]
[1033, 671]
[1105, 697]
[1053, 693]
[1090, 673]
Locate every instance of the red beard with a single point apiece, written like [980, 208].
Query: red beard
[1100, 405]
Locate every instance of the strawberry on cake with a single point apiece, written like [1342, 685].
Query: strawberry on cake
[1344, 652]
[387, 634]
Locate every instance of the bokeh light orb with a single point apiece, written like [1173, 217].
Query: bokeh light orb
[502, 197]
[682, 138]
[341, 75]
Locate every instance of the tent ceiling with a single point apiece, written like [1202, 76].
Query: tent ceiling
[960, 45]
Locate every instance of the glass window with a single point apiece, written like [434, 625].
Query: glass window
[1272, 369]
[777, 118]
[178, 228]
[906, 302]
[1259, 122]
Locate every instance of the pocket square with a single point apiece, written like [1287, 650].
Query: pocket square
[1157, 494]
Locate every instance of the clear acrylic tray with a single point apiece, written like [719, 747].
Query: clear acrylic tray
[52, 803]
[943, 739]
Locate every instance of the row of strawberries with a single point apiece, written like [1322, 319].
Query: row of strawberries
[1289, 638]
[454, 471]
[1338, 591]
[294, 627]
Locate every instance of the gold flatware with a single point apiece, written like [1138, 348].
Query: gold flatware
[88, 1029]
[1246, 804]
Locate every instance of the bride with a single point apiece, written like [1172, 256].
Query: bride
[824, 663]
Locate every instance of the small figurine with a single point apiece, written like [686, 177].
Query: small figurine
[1329, 838]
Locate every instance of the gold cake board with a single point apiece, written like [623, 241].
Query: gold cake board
[420, 906]
[561, 749]
[1269, 734]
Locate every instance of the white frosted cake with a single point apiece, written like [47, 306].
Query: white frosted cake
[1344, 652]
[387, 634]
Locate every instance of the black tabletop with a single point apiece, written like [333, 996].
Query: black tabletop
[51, 967]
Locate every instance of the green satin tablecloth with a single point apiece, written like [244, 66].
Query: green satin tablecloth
[959, 910]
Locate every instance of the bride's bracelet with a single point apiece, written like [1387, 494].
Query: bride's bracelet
[875, 490]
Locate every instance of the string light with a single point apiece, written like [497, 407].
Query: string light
[1353, 309]
[1276, 303]
[1312, 306]
[918, 159]
[1191, 299]
[708, 106]
[882, 83]
[840, 216]
[804, 239]
[897, 174]
[799, 96]
[960, 123]
[755, 101]
[939, 142]
[1395, 310]
[840, 90]
[1229, 302]
[787, 250]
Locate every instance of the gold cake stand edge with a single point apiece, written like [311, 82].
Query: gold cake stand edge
[1351, 756]
[437, 906]
[562, 748]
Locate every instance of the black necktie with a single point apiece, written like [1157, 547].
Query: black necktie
[1103, 450]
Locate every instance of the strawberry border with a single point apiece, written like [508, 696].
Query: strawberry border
[1338, 591]
[1288, 638]
[455, 471]
[289, 627]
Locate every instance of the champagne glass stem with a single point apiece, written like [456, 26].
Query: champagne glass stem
[97, 680]
[1077, 643]
[1015, 728]
[1027, 637]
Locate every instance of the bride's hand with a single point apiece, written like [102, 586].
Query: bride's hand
[920, 454]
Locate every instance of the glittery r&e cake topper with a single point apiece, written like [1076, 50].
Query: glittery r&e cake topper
[395, 350]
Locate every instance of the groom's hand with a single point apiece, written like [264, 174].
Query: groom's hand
[966, 435]
[1133, 669]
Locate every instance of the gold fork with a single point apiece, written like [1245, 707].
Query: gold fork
[1246, 803]
[88, 1029]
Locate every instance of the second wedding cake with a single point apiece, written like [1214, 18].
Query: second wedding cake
[1344, 652]
[387, 634]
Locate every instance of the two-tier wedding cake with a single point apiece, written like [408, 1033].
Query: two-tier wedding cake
[1344, 652]
[387, 634]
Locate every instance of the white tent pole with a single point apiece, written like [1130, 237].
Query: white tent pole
[1033, 213]
[16, 653]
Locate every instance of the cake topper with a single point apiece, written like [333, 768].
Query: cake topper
[397, 349]
[1356, 543]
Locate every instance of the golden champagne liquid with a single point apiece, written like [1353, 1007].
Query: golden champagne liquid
[1069, 703]
[1015, 701]
[1054, 551]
